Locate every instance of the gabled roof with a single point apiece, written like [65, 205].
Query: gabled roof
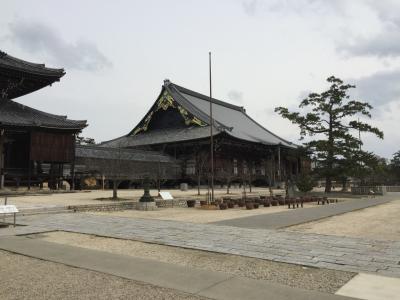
[231, 118]
[17, 115]
[19, 77]
[228, 118]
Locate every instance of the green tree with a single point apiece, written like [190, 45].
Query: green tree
[395, 166]
[80, 140]
[305, 183]
[329, 120]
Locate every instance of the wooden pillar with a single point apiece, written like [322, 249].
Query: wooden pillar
[298, 166]
[59, 176]
[279, 164]
[29, 161]
[2, 138]
[72, 187]
[29, 174]
[273, 169]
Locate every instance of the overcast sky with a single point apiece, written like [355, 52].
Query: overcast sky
[266, 53]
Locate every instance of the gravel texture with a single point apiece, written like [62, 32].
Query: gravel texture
[28, 278]
[383, 223]
[193, 215]
[323, 280]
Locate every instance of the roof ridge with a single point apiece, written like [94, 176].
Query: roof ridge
[206, 98]
[97, 146]
[41, 66]
[59, 117]
[37, 115]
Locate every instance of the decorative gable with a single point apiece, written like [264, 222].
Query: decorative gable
[177, 115]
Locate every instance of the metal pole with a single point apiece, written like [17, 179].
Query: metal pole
[359, 134]
[211, 135]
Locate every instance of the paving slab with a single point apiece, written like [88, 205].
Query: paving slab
[144, 270]
[309, 249]
[372, 287]
[239, 288]
[303, 215]
[215, 285]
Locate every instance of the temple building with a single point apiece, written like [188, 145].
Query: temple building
[34, 145]
[178, 124]
[170, 144]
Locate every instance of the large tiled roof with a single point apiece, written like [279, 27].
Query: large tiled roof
[19, 77]
[18, 115]
[228, 118]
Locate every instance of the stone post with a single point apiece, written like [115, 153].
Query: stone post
[146, 202]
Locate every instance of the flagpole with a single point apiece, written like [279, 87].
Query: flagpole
[211, 134]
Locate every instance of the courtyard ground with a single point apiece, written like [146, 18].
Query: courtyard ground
[321, 256]
[38, 200]
[196, 215]
[23, 277]
[380, 222]
[323, 280]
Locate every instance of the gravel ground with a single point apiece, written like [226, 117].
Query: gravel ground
[323, 280]
[28, 278]
[383, 223]
[194, 215]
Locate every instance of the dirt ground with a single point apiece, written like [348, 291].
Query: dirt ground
[380, 222]
[288, 274]
[197, 215]
[92, 197]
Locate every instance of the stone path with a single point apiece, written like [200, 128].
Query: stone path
[210, 284]
[332, 252]
[298, 216]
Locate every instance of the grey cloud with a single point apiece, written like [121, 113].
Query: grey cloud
[235, 96]
[387, 11]
[383, 45]
[36, 37]
[379, 89]
[250, 7]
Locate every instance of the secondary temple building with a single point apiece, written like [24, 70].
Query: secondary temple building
[34, 145]
[178, 124]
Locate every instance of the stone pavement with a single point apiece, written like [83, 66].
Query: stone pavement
[322, 251]
[371, 287]
[211, 284]
[298, 216]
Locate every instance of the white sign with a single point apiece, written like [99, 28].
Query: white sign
[166, 196]
[8, 209]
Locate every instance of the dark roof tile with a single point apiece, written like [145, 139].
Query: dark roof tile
[18, 115]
